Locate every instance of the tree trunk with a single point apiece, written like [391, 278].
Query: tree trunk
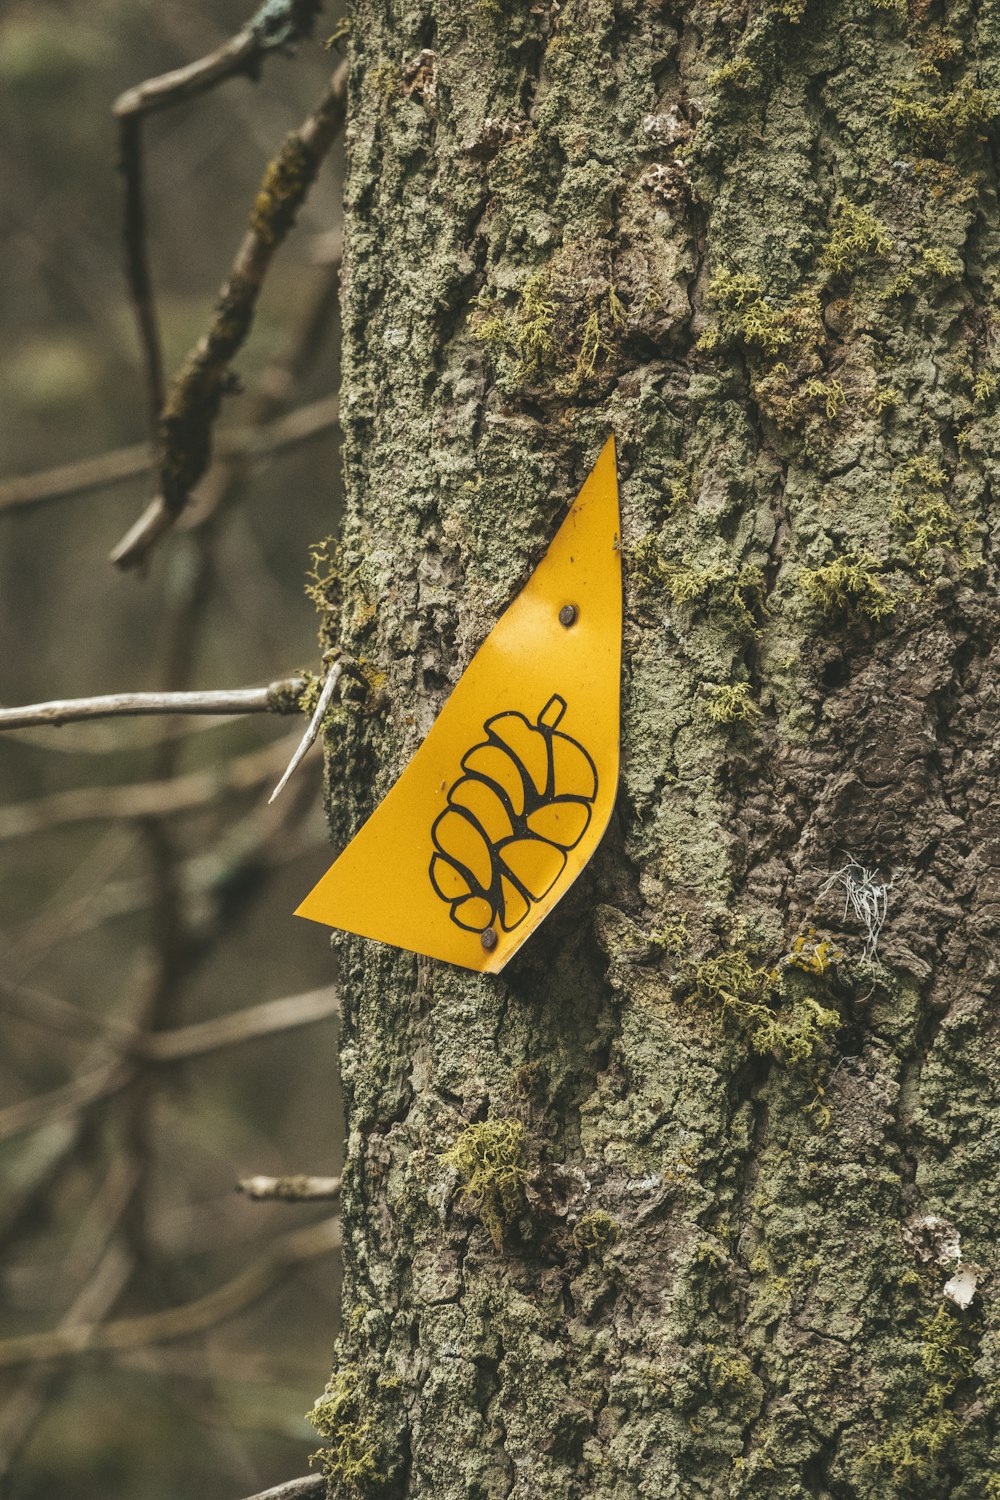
[699, 1197]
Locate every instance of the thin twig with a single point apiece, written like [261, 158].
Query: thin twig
[296, 1189]
[257, 442]
[150, 799]
[227, 477]
[295, 1489]
[273, 27]
[243, 1367]
[247, 1025]
[185, 428]
[176, 1044]
[217, 881]
[39, 1008]
[109, 1077]
[101, 1268]
[177, 1322]
[77, 478]
[277, 698]
[53, 1151]
[137, 268]
[319, 713]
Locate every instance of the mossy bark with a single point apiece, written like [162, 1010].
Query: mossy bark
[733, 1155]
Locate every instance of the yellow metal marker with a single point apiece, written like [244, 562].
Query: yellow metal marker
[508, 796]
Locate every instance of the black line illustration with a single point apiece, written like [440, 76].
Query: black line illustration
[523, 801]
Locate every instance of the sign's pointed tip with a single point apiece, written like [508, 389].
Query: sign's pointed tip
[305, 909]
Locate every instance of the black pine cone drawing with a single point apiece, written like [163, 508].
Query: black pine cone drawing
[525, 798]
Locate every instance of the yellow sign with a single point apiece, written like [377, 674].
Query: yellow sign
[507, 798]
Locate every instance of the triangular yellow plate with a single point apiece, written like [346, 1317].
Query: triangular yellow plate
[508, 796]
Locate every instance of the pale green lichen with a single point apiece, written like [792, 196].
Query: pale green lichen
[755, 1004]
[857, 236]
[553, 333]
[731, 703]
[491, 1157]
[884, 398]
[827, 394]
[739, 74]
[678, 493]
[984, 386]
[324, 574]
[595, 1233]
[937, 48]
[923, 520]
[520, 340]
[746, 313]
[737, 591]
[941, 265]
[851, 584]
[732, 1381]
[349, 1455]
[671, 936]
[915, 1456]
[939, 119]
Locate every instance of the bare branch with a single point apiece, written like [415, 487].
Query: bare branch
[132, 1045]
[55, 1014]
[137, 270]
[42, 1167]
[277, 698]
[151, 799]
[298, 426]
[273, 26]
[217, 881]
[295, 1489]
[121, 464]
[319, 713]
[296, 1189]
[241, 1026]
[177, 1322]
[185, 428]
[101, 1269]
[109, 1077]
[77, 478]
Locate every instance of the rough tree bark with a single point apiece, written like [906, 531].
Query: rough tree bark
[669, 1209]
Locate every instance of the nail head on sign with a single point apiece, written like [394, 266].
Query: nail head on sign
[567, 615]
[488, 938]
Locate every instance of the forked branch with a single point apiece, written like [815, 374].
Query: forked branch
[276, 26]
[184, 434]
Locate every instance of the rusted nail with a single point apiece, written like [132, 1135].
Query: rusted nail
[567, 615]
[488, 938]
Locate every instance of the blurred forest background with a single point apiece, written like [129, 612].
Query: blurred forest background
[119, 1162]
